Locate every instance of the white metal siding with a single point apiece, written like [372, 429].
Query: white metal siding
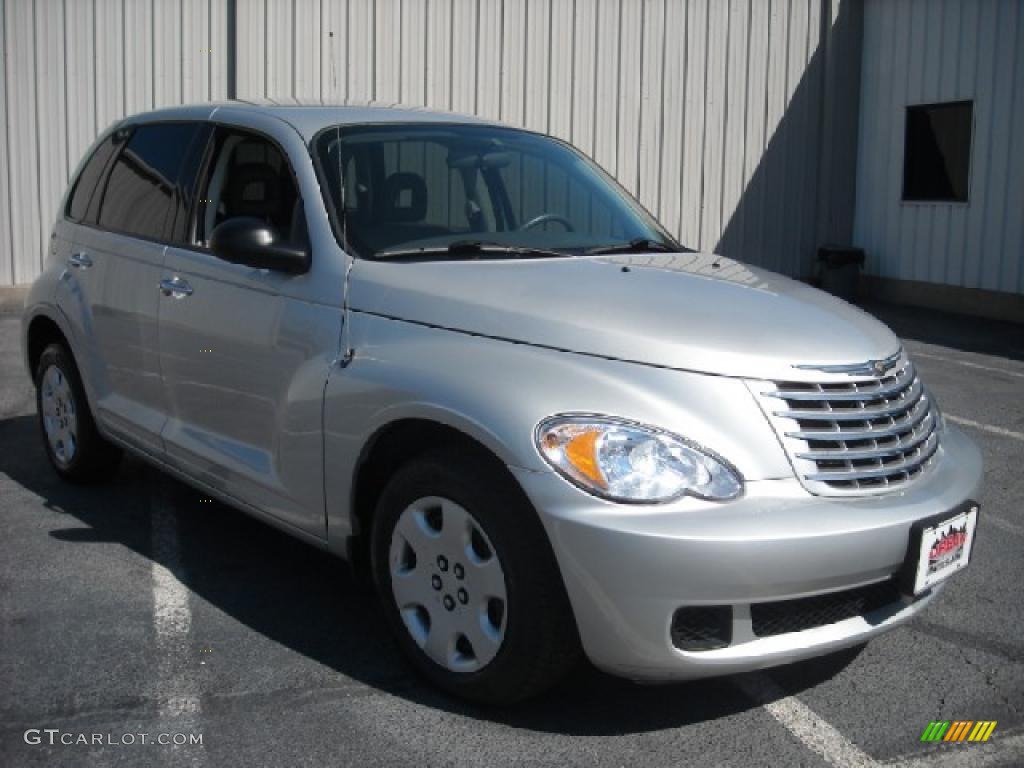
[917, 52]
[710, 111]
[70, 69]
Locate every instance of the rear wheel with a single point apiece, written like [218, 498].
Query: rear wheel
[73, 444]
[468, 580]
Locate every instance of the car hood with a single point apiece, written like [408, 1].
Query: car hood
[689, 311]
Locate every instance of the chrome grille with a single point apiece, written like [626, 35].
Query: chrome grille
[851, 437]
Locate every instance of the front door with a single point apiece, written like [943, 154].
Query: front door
[243, 354]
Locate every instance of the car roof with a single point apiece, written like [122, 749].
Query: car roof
[310, 116]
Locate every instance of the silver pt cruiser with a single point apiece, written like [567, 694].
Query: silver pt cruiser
[461, 355]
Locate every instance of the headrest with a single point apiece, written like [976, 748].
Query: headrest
[253, 190]
[405, 197]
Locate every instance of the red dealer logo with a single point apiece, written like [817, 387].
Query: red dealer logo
[948, 547]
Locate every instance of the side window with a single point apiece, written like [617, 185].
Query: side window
[141, 186]
[249, 176]
[85, 184]
[186, 193]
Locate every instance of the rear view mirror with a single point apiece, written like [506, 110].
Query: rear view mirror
[250, 241]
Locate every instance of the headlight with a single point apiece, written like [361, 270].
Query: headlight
[623, 461]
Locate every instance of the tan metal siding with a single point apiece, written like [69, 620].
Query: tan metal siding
[915, 52]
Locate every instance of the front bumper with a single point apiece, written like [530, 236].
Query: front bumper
[628, 569]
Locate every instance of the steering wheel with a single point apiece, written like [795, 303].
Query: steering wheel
[544, 218]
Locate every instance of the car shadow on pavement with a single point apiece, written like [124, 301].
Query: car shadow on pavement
[998, 338]
[309, 601]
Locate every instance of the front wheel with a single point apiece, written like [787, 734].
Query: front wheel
[469, 582]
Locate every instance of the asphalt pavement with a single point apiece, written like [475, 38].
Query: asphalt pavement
[138, 610]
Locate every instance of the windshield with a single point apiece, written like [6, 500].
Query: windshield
[434, 188]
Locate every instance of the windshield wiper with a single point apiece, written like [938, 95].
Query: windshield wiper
[637, 244]
[468, 248]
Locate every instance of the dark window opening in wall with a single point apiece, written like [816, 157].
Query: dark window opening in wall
[937, 153]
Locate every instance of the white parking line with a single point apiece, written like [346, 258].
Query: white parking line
[968, 364]
[172, 618]
[985, 427]
[811, 730]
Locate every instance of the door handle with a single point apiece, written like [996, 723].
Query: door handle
[176, 287]
[80, 260]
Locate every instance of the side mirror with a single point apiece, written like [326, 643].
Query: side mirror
[250, 241]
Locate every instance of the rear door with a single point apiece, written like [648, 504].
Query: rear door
[80, 281]
[121, 248]
[245, 352]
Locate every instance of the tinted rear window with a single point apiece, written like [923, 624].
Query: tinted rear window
[141, 187]
[78, 204]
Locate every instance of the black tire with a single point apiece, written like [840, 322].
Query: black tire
[541, 642]
[94, 459]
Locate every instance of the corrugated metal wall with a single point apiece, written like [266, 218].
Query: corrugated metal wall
[72, 67]
[944, 50]
[711, 111]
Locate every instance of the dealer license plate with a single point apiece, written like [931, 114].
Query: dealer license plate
[944, 548]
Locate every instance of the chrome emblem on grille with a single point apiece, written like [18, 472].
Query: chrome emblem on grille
[870, 368]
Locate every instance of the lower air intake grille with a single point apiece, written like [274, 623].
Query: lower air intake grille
[785, 616]
[702, 627]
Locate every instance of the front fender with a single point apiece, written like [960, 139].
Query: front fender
[497, 392]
